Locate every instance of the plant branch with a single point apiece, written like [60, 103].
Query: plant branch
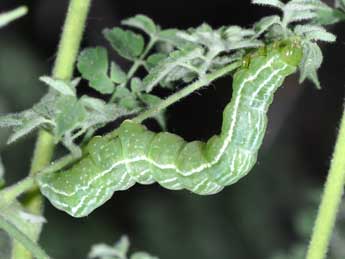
[186, 91]
[8, 17]
[331, 199]
[21, 237]
[9, 194]
[137, 63]
[63, 69]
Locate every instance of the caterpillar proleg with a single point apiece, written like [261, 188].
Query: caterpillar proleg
[137, 155]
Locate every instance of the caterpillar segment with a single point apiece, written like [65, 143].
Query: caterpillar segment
[137, 155]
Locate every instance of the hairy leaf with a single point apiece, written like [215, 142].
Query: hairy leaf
[27, 223]
[143, 23]
[127, 43]
[10, 120]
[69, 115]
[175, 59]
[311, 62]
[171, 37]
[93, 65]
[136, 85]
[63, 87]
[116, 74]
[272, 3]
[265, 23]
[118, 251]
[29, 122]
[154, 59]
[142, 255]
[151, 101]
[314, 32]
[329, 16]
[125, 99]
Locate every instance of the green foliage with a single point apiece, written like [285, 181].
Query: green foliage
[117, 251]
[27, 224]
[126, 43]
[170, 58]
[307, 11]
[94, 66]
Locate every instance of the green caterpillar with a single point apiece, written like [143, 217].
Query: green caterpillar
[132, 154]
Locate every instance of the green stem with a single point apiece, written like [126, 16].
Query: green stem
[8, 195]
[71, 37]
[185, 91]
[63, 69]
[331, 199]
[18, 235]
[10, 16]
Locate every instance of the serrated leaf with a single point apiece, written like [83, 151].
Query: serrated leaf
[93, 103]
[127, 43]
[265, 23]
[302, 15]
[143, 23]
[63, 87]
[329, 16]
[312, 59]
[340, 4]
[272, 3]
[10, 120]
[116, 74]
[93, 65]
[104, 251]
[314, 32]
[30, 121]
[154, 59]
[100, 112]
[125, 99]
[6, 18]
[171, 37]
[175, 59]
[69, 114]
[142, 255]
[136, 85]
[243, 44]
[151, 101]
[236, 33]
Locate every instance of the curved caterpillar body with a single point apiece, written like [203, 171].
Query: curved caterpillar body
[136, 155]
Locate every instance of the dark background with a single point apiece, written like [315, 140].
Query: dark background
[254, 218]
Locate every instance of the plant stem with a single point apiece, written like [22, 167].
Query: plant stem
[8, 195]
[63, 69]
[18, 235]
[331, 199]
[185, 91]
[8, 17]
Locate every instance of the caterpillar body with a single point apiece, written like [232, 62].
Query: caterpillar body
[133, 154]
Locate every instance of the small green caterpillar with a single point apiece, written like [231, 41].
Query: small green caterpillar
[135, 155]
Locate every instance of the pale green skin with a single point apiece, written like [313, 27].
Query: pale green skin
[134, 154]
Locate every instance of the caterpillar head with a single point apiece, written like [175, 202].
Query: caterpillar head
[291, 51]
